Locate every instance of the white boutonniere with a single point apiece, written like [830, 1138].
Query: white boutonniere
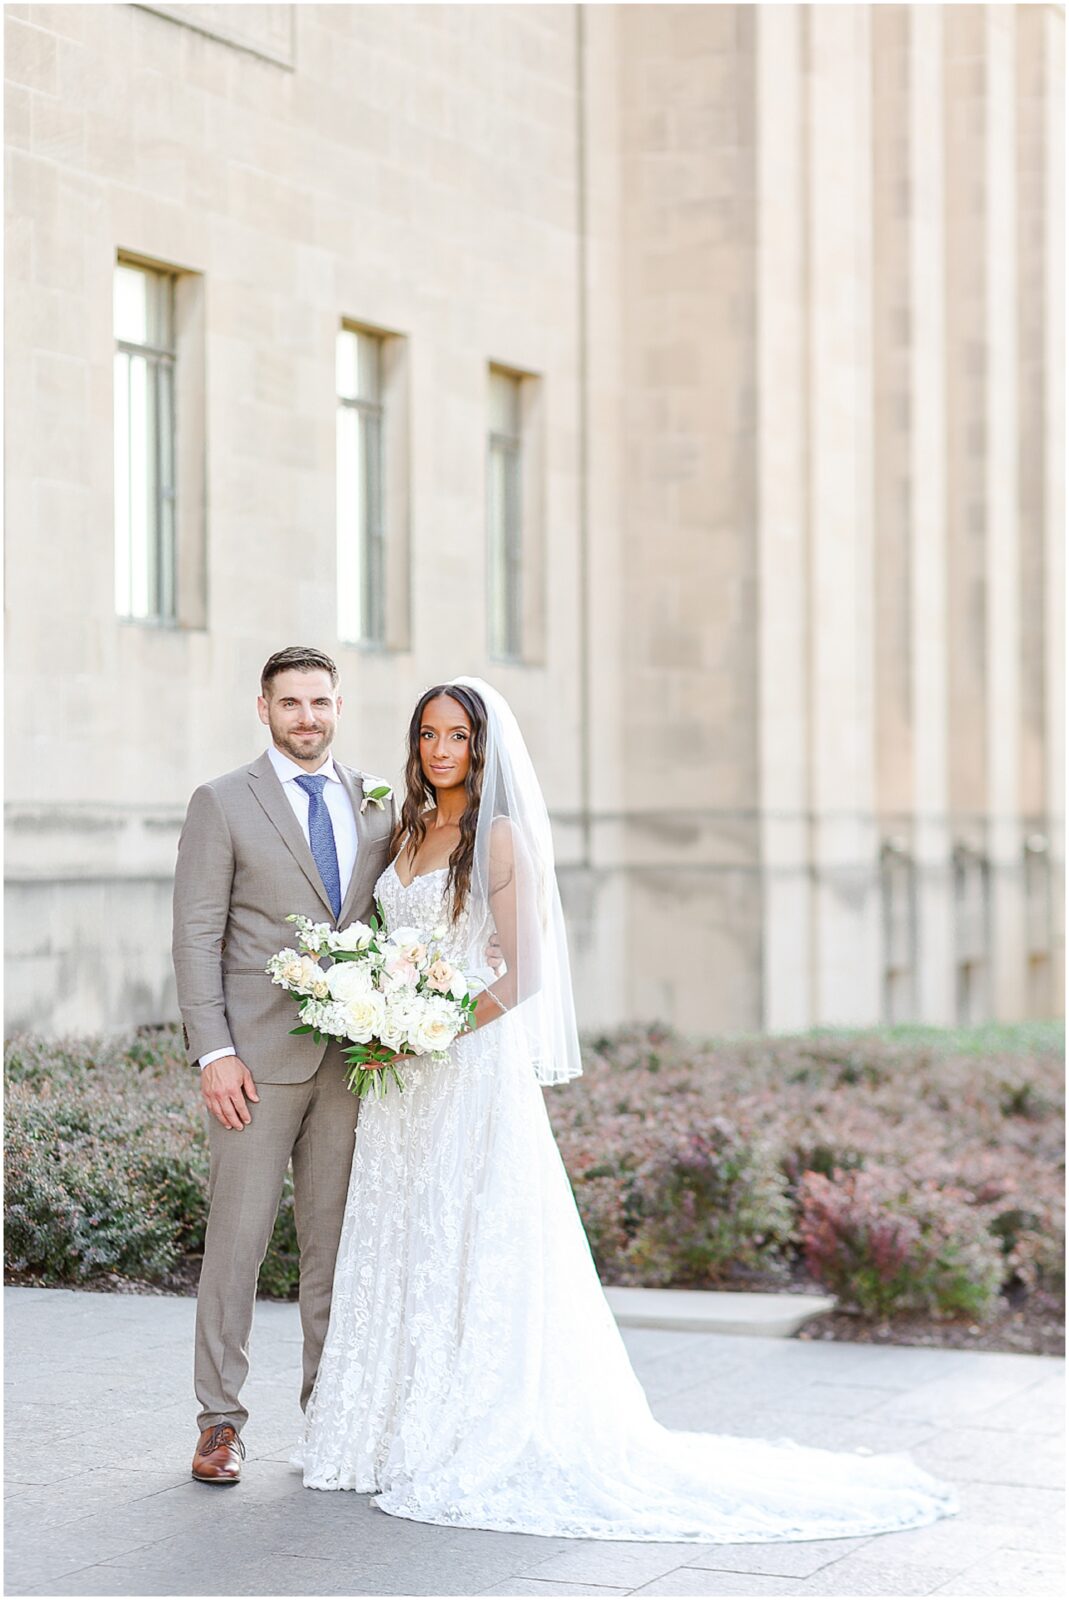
[375, 793]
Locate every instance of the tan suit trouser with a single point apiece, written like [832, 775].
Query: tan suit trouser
[314, 1123]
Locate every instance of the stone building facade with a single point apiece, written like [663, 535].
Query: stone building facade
[751, 319]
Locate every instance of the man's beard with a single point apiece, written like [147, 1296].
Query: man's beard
[305, 749]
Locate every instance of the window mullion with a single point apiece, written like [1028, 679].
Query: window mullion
[505, 514]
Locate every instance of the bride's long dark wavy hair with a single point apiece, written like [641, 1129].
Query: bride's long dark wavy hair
[419, 794]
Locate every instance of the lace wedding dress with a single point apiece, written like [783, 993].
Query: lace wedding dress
[473, 1374]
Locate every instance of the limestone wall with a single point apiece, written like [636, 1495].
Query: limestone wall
[790, 282]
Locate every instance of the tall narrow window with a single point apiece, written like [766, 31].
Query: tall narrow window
[145, 584]
[361, 515]
[1038, 919]
[972, 902]
[504, 515]
[897, 893]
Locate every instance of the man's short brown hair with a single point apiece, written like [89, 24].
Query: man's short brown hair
[296, 658]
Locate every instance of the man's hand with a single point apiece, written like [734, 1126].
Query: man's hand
[495, 956]
[225, 1084]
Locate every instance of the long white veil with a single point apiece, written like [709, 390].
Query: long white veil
[513, 882]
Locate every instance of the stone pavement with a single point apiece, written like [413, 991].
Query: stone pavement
[100, 1432]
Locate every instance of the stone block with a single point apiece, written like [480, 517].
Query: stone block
[31, 57]
[58, 131]
[18, 117]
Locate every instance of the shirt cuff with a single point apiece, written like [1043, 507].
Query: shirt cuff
[217, 1055]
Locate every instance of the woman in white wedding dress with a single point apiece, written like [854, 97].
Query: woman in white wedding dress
[473, 1374]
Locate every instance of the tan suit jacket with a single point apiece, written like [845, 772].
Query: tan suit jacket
[243, 866]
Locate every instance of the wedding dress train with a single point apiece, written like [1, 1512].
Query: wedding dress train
[473, 1374]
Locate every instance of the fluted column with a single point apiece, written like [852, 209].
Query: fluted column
[967, 568]
[934, 961]
[1003, 686]
[1054, 479]
[782, 523]
[595, 889]
[845, 904]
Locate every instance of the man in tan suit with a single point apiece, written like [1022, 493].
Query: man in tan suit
[293, 832]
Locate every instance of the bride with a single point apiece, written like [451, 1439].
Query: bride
[473, 1374]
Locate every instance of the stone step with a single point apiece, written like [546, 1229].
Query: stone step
[775, 1316]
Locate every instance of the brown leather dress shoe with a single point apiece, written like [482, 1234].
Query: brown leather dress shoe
[219, 1454]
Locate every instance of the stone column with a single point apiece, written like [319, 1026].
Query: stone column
[893, 336]
[1003, 642]
[1033, 443]
[782, 532]
[934, 960]
[845, 906]
[689, 554]
[595, 892]
[965, 248]
[1054, 479]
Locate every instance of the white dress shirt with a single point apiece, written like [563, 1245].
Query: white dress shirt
[342, 821]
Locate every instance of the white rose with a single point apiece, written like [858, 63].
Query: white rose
[397, 1021]
[357, 936]
[435, 1028]
[363, 1018]
[347, 980]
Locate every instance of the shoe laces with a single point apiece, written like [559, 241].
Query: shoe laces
[216, 1439]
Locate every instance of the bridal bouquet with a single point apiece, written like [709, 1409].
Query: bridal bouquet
[387, 995]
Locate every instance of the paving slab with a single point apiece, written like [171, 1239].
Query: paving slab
[899, 1578]
[800, 1560]
[98, 1382]
[514, 1586]
[1011, 1573]
[688, 1581]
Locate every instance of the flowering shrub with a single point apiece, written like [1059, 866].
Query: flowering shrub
[688, 1205]
[106, 1163]
[72, 1209]
[940, 1153]
[886, 1246]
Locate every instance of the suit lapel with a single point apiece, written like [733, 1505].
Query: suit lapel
[265, 785]
[355, 791]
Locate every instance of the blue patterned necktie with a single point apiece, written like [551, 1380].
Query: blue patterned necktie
[321, 838]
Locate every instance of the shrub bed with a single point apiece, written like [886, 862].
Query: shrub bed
[106, 1164]
[906, 1170]
[913, 1172]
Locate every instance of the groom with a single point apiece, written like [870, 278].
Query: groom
[293, 832]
